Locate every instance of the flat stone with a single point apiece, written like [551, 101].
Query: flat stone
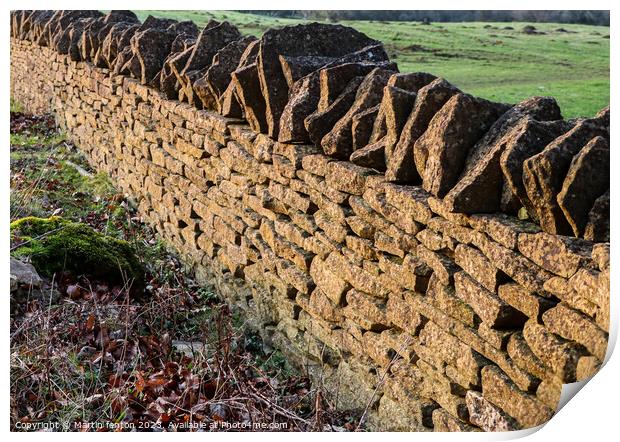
[560, 355]
[561, 255]
[575, 326]
[486, 415]
[524, 300]
[478, 266]
[460, 123]
[329, 282]
[372, 156]
[413, 200]
[515, 265]
[487, 305]
[522, 355]
[347, 177]
[502, 228]
[406, 164]
[526, 409]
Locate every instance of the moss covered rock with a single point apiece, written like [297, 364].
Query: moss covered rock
[54, 244]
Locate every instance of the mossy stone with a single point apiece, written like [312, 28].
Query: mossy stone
[54, 245]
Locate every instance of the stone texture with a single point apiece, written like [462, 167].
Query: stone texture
[586, 180]
[492, 309]
[319, 123]
[498, 389]
[217, 78]
[348, 274]
[558, 254]
[486, 415]
[531, 137]
[450, 135]
[575, 326]
[597, 227]
[338, 142]
[317, 40]
[544, 173]
[407, 164]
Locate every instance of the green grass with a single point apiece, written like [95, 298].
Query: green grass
[483, 59]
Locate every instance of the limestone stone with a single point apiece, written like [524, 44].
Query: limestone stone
[486, 415]
[561, 255]
[371, 156]
[486, 304]
[451, 133]
[338, 142]
[586, 180]
[319, 123]
[515, 265]
[328, 281]
[361, 127]
[527, 302]
[217, 78]
[560, 355]
[407, 165]
[347, 177]
[531, 137]
[597, 227]
[544, 173]
[301, 40]
[502, 228]
[478, 266]
[482, 173]
[575, 326]
[396, 105]
[526, 410]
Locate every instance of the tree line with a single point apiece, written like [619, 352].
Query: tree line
[591, 17]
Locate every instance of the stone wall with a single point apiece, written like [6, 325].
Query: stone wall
[386, 285]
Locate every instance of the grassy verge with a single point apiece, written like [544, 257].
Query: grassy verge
[88, 354]
[493, 60]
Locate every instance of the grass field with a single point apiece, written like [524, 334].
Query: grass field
[568, 62]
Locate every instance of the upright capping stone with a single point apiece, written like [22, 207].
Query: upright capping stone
[544, 173]
[338, 141]
[217, 78]
[313, 39]
[406, 165]
[587, 179]
[479, 189]
[597, 228]
[535, 135]
[460, 123]
[319, 123]
[561, 255]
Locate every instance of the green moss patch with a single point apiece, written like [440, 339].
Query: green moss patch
[54, 245]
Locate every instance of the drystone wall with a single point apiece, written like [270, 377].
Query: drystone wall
[363, 220]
